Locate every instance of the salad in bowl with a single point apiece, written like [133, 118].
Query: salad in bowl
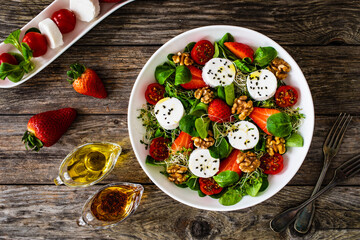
[219, 119]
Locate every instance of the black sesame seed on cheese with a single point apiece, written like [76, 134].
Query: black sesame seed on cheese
[202, 156]
[164, 106]
[157, 112]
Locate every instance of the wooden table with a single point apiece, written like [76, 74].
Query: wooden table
[322, 36]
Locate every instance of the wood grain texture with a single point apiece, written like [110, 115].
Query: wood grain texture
[50, 212]
[331, 72]
[41, 168]
[287, 22]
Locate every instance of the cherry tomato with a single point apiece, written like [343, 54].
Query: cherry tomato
[272, 164]
[8, 58]
[154, 92]
[286, 96]
[159, 149]
[37, 43]
[209, 186]
[202, 52]
[65, 20]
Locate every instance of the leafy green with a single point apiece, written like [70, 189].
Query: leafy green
[185, 96]
[279, 124]
[264, 55]
[193, 183]
[216, 50]
[244, 67]
[163, 72]
[260, 146]
[189, 47]
[152, 162]
[226, 38]
[229, 94]
[202, 126]
[220, 150]
[226, 53]
[230, 197]
[265, 183]
[201, 194]
[187, 124]
[221, 93]
[182, 75]
[218, 195]
[33, 29]
[253, 188]
[226, 178]
[13, 39]
[199, 109]
[295, 140]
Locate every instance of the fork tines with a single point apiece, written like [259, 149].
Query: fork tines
[351, 167]
[336, 134]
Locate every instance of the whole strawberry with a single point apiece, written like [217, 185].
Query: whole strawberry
[86, 81]
[219, 111]
[45, 129]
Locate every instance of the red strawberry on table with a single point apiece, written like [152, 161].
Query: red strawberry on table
[196, 79]
[45, 129]
[181, 142]
[86, 81]
[260, 116]
[240, 50]
[230, 163]
[219, 111]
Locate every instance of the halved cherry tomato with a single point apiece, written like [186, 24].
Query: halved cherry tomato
[272, 164]
[8, 58]
[154, 92]
[209, 186]
[202, 52]
[65, 20]
[37, 43]
[159, 149]
[286, 96]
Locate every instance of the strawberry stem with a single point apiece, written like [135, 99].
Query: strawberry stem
[76, 71]
[32, 142]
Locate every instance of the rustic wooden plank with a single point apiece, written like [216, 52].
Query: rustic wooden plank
[332, 74]
[18, 166]
[50, 212]
[295, 22]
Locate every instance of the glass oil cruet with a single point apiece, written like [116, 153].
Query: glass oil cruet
[111, 205]
[88, 164]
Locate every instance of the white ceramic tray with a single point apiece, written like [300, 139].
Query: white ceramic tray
[80, 30]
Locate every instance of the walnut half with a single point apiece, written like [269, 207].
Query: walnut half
[275, 145]
[279, 68]
[204, 94]
[248, 161]
[177, 173]
[183, 59]
[242, 107]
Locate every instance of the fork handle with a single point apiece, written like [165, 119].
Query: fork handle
[281, 221]
[305, 218]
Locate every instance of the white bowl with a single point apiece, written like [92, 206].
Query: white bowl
[292, 159]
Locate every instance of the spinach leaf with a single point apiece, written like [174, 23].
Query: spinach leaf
[226, 38]
[193, 183]
[265, 184]
[217, 51]
[229, 94]
[295, 140]
[218, 195]
[33, 29]
[201, 194]
[226, 53]
[189, 47]
[202, 126]
[183, 185]
[253, 188]
[264, 55]
[230, 197]
[244, 66]
[26, 51]
[13, 39]
[152, 162]
[220, 150]
[260, 146]
[182, 75]
[226, 178]
[171, 62]
[199, 109]
[163, 72]
[279, 124]
[221, 92]
[187, 124]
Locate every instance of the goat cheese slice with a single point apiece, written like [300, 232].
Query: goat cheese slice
[219, 72]
[51, 32]
[85, 10]
[245, 135]
[202, 164]
[168, 112]
[261, 84]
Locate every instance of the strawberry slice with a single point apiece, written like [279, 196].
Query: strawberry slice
[181, 142]
[230, 163]
[261, 115]
[240, 50]
[196, 80]
[219, 111]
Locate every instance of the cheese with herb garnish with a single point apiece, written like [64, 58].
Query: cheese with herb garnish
[244, 135]
[219, 72]
[202, 164]
[261, 85]
[168, 112]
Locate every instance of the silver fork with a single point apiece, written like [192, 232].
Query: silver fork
[343, 172]
[330, 149]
